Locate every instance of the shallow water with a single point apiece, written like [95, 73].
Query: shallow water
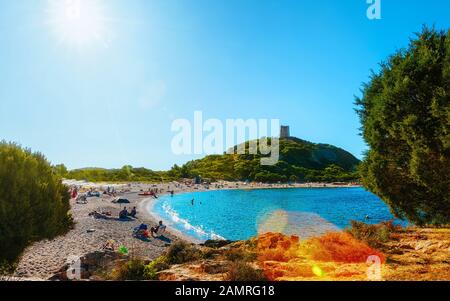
[241, 214]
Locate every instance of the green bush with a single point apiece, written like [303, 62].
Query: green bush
[6, 269]
[373, 235]
[151, 270]
[130, 270]
[150, 273]
[404, 112]
[138, 270]
[235, 254]
[34, 203]
[209, 253]
[242, 271]
[181, 252]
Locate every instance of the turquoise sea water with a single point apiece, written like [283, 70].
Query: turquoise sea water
[241, 214]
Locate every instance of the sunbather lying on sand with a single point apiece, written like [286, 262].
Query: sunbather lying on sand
[97, 214]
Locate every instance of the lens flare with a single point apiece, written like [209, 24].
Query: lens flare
[318, 271]
[303, 224]
[79, 24]
[333, 256]
[276, 221]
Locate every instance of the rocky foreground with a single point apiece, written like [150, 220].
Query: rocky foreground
[390, 253]
[412, 254]
[43, 259]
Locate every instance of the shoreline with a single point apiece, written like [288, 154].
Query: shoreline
[147, 205]
[44, 258]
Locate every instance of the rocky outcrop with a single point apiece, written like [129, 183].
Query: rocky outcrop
[413, 254]
[85, 267]
[203, 270]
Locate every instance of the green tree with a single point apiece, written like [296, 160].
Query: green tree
[61, 170]
[405, 116]
[34, 203]
[125, 173]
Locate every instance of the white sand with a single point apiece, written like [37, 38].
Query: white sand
[44, 258]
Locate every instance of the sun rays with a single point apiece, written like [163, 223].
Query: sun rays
[79, 24]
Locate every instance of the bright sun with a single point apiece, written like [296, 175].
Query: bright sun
[79, 23]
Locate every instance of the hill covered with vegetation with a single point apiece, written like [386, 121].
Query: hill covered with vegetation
[299, 161]
[124, 174]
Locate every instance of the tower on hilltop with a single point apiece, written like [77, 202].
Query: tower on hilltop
[285, 132]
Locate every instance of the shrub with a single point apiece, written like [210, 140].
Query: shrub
[276, 247]
[130, 270]
[242, 271]
[155, 266]
[34, 203]
[339, 247]
[236, 254]
[209, 253]
[150, 272]
[6, 269]
[181, 252]
[373, 235]
[138, 270]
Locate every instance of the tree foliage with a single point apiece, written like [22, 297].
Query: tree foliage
[34, 204]
[124, 174]
[299, 161]
[405, 116]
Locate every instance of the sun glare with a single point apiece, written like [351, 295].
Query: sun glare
[79, 23]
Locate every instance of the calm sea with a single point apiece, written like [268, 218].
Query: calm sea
[241, 214]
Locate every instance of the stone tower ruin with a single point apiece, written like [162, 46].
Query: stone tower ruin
[285, 132]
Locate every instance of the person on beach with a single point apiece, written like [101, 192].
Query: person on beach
[124, 213]
[161, 227]
[141, 231]
[133, 212]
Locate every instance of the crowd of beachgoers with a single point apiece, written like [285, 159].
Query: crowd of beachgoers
[107, 215]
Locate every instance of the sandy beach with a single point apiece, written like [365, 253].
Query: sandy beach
[42, 259]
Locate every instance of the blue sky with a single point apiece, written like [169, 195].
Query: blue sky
[111, 102]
